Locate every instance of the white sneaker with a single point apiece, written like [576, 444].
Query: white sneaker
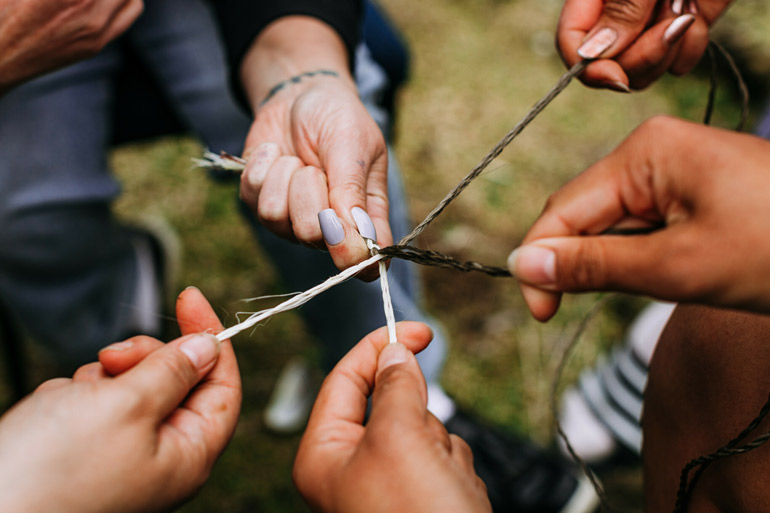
[289, 407]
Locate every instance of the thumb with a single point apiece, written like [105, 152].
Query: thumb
[400, 392]
[166, 376]
[619, 25]
[646, 264]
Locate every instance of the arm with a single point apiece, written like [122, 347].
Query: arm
[637, 40]
[707, 188]
[41, 35]
[313, 146]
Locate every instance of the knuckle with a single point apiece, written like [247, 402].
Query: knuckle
[271, 210]
[627, 12]
[307, 231]
[177, 366]
[588, 270]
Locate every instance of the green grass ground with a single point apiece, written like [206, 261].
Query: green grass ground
[478, 65]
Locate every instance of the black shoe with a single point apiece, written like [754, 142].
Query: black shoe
[521, 477]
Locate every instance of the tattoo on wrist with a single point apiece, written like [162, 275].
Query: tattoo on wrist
[296, 79]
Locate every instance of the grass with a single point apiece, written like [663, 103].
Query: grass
[478, 66]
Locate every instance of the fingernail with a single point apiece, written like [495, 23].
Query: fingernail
[201, 349]
[364, 223]
[393, 354]
[618, 86]
[331, 227]
[533, 264]
[692, 7]
[677, 6]
[192, 287]
[118, 346]
[677, 28]
[598, 43]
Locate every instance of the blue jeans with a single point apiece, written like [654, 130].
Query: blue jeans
[68, 269]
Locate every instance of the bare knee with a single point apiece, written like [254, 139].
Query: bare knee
[709, 377]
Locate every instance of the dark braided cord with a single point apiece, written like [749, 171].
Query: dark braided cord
[436, 259]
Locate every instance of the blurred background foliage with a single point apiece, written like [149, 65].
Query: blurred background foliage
[478, 65]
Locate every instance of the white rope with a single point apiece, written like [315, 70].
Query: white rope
[300, 299]
[224, 161]
[387, 303]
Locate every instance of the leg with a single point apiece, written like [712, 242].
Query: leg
[66, 268]
[180, 43]
[708, 379]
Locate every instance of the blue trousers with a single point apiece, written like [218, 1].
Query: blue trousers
[68, 269]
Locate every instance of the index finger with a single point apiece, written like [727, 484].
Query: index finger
[358, 180]
[600, 198]
[606, 28]
[216, 401]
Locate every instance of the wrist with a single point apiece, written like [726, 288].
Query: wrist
[295, 80]
[293, 50]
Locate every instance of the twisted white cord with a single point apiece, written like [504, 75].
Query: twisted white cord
[387, 303]
[301, 299]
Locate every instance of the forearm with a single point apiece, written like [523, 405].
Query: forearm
[288, 47]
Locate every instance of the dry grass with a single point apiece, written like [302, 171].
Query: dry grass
[478, 66]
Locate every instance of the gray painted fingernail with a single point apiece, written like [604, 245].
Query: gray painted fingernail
[364, 223]
[677, 28]
[677, 6]
[331, 227]
[598, 44]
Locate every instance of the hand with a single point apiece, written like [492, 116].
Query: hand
[40, 35]
[707, 188]
[637, 40]
[402, 459]
[144, 440]
[313, 146]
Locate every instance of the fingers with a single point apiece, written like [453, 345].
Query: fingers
[216, 402]
[647, 264]
[692, 47]
[52, 384]
[119, 357]
[619, 24]
[343, 396]
[354, 155]
[590, 29]
[258, 164]
[653, 53]
[607, 194]
[90, 372]
[463, 456]
[163, 379]
[335, 426]
[345, 242]
[273, 202]
[642, 47]
[293, 201]
[308, 195]
[400, 394]
[194, 314]
[644, 181]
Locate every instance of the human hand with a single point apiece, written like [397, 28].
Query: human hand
[313, 146]
[40, 35]
[706, 187]
[402, 459]
[144, 440]
[637, 40]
